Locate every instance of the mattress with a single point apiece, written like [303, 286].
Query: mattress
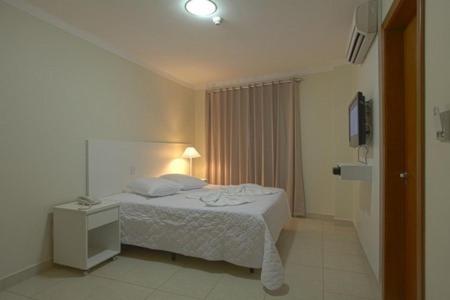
[244, 235]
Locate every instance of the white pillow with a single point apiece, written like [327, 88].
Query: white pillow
[155, 187]
[186, 182]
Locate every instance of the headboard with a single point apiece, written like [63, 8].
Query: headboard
[112, 164]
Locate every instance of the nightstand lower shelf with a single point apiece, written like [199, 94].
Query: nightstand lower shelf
[97, 256]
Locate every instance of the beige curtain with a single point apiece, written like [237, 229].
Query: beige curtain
[253, 136]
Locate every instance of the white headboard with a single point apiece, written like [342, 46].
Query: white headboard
[112, 164]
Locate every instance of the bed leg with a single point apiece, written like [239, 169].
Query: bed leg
[251, 270]
[173, 256]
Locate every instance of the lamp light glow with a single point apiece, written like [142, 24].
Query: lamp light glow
[190, 153]
[202, 8]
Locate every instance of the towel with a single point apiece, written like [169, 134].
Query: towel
[234, 195]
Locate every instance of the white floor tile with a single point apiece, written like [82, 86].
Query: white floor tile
[146, 273]
[74, 289]
[349, 283]
[301, 256]
[340, 236]
[237, 288]
[192, 283]
[330, 296]
[160, 295]
[151, 275]
[117, 269]
[303, 225]
[94, 288]
[44, 281]
[343, 247]
[302, 283]
[346, 262]
[105, 289]
[10, 296]
[301, 248]
[323, 261]
[291, 239]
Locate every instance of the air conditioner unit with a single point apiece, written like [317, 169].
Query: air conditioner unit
[364, 30]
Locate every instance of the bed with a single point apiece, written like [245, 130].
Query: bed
[243, 235]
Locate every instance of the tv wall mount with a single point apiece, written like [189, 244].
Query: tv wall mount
[369, 121]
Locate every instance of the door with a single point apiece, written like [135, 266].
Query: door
[410, 170]
[402, 151]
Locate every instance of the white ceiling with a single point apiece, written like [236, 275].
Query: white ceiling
[257, 38]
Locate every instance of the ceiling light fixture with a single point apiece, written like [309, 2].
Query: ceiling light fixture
[202, 8]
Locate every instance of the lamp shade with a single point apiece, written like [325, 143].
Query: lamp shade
[190, 152]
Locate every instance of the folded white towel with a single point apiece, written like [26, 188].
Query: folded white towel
[250, 189]
[234, 195]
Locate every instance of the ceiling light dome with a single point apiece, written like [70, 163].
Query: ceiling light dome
[202, 8]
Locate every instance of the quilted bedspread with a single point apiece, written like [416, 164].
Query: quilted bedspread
[244, 235]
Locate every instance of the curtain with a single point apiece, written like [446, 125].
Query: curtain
[253, 136]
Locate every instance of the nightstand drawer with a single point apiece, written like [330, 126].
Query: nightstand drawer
[102, 218]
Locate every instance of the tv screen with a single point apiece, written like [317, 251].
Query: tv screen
[357, 121]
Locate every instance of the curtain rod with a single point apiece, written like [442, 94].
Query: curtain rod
[253, 84]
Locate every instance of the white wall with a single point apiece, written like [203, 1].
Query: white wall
[437, 163]
[366, 194]
[324, 100]
[56, 91]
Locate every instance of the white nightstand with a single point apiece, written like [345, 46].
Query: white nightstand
[83, 238]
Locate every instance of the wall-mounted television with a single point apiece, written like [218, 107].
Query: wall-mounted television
[357, 121]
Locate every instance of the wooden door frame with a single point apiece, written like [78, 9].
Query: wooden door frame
[392, 264]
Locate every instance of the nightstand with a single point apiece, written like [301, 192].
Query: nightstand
[85, 236]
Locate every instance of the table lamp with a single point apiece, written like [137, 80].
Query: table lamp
[190, 153]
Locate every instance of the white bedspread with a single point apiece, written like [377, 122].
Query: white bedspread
[244, 235]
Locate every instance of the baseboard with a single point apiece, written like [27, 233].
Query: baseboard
[12, 279]
[321, 217]
[330, 218]
[343, 221]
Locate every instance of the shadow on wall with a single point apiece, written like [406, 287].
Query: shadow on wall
[364, 192]
[47, 240]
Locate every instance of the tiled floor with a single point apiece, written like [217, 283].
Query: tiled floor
[323, 261]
